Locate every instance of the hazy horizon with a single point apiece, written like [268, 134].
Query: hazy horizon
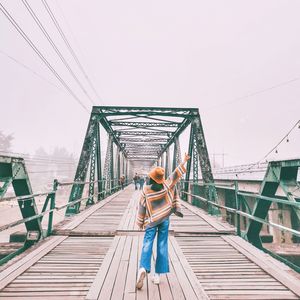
[238, 62]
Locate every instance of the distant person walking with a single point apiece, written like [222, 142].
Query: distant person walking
[122, 181]
[158, 201]
[142, 181]
[136, 180]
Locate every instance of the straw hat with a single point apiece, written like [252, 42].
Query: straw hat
[157, 174]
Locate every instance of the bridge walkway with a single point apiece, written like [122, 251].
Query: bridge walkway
[95, 256]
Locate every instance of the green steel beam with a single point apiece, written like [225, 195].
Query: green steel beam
[167, 168]
[144, 124]
[82, 168]
[99, 164]
[279, 173]
[142, 133]
[206, 171]
[176, 154]
[90, 200]
[188, 165]
[14, 168]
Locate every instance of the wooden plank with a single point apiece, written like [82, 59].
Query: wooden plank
[83, 215]
[219, 226]
[153, 289]
[130, 288]
[164, 287]
[254, 255]
[118, 288]
[181, 276]
[108, 285]
[198, 289]
[175, 287]
[141, 294]
[97, 284]
[20, 266]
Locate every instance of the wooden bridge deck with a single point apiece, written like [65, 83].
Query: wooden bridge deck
[96, 255]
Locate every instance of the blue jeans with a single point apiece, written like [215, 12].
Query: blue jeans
[162, 259]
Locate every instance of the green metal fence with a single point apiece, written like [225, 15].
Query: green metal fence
[238, 212]
[49, 208]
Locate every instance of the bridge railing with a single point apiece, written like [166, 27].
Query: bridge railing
[49, 208]
[239, 200]
[238, 212]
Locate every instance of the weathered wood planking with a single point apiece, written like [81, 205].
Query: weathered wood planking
[194, 221]
[206, 260]
[226, 270]
[117, 276]
[68, 270]
[107, 218]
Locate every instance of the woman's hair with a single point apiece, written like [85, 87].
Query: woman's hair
[155, 186]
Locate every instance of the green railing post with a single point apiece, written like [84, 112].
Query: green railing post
[52, 206]
[238, 206]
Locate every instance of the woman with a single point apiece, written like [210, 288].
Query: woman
[158, 201]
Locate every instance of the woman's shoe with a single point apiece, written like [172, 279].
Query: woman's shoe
[156, 278]
[140, 278]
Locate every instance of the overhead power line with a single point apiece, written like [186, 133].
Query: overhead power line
[39, 158]
[255, 93]
[40, 55]
[29, 69]
[73, 53]
[285, 138]
[52, 43]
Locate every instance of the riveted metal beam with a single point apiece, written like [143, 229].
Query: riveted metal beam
[144, 124]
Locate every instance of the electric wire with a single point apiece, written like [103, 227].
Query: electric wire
[52, 43]
[73, 53]
[38, 158]
[49, 171]
[270, 151]
[29, 69]
[40, 55]
[258, 92]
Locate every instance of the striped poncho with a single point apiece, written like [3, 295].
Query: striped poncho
[156, 206]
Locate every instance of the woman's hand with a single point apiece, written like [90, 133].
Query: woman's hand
[186, 157]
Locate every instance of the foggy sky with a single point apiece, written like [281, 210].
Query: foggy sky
[205, 54]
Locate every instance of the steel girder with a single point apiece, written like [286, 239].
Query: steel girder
[83, 165]
[92, 171]
[198, 151]
[207, 176]
[141, 133]
[108, 164]
[176, 154]
[13, 172]
[118, 152]
[159, 141]
[144, 124]
[147, 136]
[281, 174]
[167, 167]
[143, 111]
[195, 160]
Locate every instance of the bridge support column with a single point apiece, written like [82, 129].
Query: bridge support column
[167, 167]
[281, 174]
[109, 166]
[82, 168]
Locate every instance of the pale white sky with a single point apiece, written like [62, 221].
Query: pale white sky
[204, 54]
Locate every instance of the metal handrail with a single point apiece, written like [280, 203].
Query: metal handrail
[39, 194]
[241, 213]
[56, 208]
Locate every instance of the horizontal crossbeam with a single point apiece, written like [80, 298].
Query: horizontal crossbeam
[142, 133]
[145, 124]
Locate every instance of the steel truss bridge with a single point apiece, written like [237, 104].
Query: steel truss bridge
[94, 252]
